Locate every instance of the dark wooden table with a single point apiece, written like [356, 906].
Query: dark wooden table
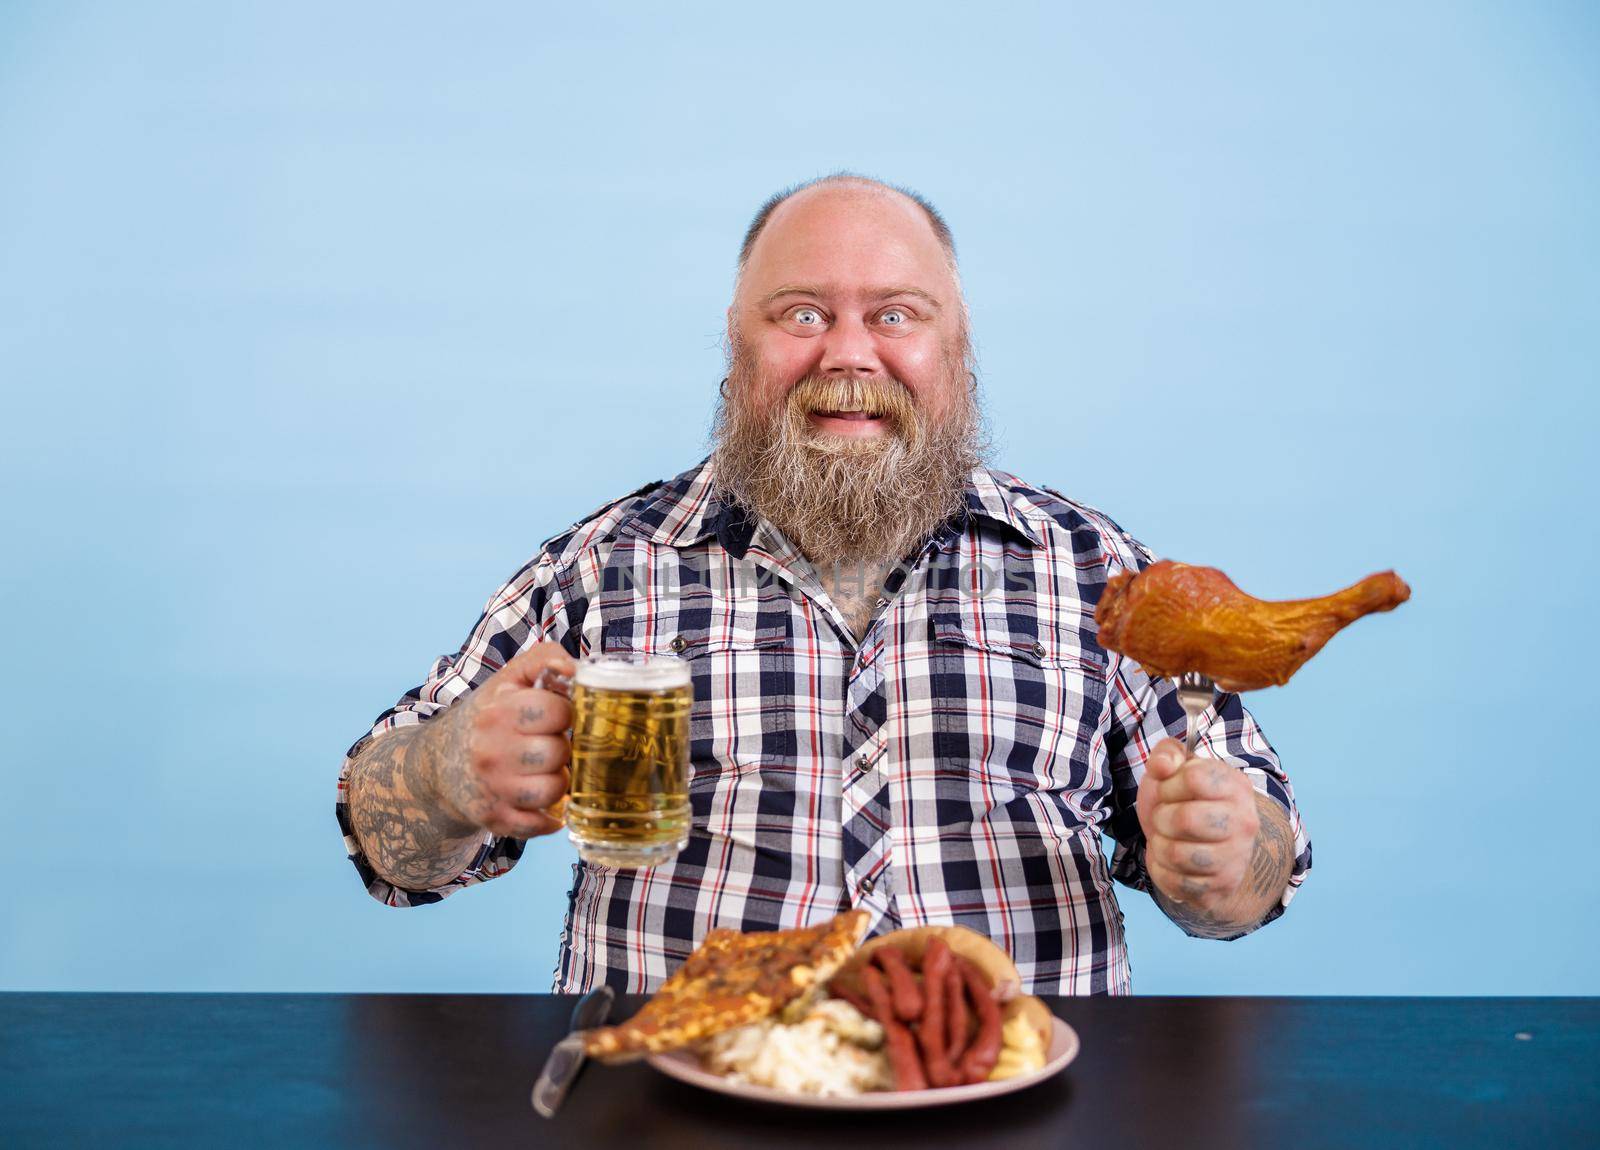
[455, 1070]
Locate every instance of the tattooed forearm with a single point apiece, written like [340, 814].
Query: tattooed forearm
[412, 836]
[1271, 863]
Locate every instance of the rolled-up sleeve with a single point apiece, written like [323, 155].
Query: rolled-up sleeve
[528, 608]
[1142, 711]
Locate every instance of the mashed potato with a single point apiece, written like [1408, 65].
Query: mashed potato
[832, 1050]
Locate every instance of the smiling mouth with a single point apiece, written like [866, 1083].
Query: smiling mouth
[853, 416]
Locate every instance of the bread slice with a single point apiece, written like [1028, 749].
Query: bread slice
[732, 979]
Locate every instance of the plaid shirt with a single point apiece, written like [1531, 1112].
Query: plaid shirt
[957, 766]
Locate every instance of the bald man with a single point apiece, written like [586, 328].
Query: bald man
[900, 700]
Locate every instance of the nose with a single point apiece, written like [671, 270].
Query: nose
[848, 350]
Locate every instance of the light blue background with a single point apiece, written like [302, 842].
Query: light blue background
[315, 319]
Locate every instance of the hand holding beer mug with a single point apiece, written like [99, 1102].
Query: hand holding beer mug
[629, 804]
[503, 766]
[613, 728]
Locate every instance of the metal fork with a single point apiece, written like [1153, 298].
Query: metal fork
[1196, 693]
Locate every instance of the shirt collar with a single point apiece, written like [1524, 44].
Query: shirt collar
[687, 511]
[989, 495]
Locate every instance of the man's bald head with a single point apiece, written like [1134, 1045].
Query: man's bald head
[848, 180]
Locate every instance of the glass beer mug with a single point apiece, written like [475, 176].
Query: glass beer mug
[629, 801]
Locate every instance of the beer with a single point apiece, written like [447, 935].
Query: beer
[629, 803]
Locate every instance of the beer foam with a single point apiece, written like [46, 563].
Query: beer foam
[631, 672]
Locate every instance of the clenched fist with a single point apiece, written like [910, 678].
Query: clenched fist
[504, 759]
[1200, 820]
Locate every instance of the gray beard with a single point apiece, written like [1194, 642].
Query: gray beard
[841, 500]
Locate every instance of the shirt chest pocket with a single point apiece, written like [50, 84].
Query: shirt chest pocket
[740, 653]
[1016, 700]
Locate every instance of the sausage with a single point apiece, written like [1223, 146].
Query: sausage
[985, 1049]
[897, 1041]
[956, 1015]
[902, 983]
[908, 1074]
[877, 994]
[931, 1030]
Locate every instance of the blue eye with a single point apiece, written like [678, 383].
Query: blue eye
[893, 318]
[799, 317]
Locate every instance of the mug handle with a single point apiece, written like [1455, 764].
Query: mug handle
[550, 679]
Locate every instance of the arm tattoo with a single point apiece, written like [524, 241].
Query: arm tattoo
[1271, 863]
[1273, 859]
[411, 838]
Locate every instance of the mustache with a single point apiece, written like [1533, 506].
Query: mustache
[876, 397]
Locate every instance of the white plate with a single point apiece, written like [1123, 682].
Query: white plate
[685, 1067]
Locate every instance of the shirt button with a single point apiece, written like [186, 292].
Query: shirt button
[882, 603]
[868, 885]
[863, 761]
[1038, 649]
[678, 643]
